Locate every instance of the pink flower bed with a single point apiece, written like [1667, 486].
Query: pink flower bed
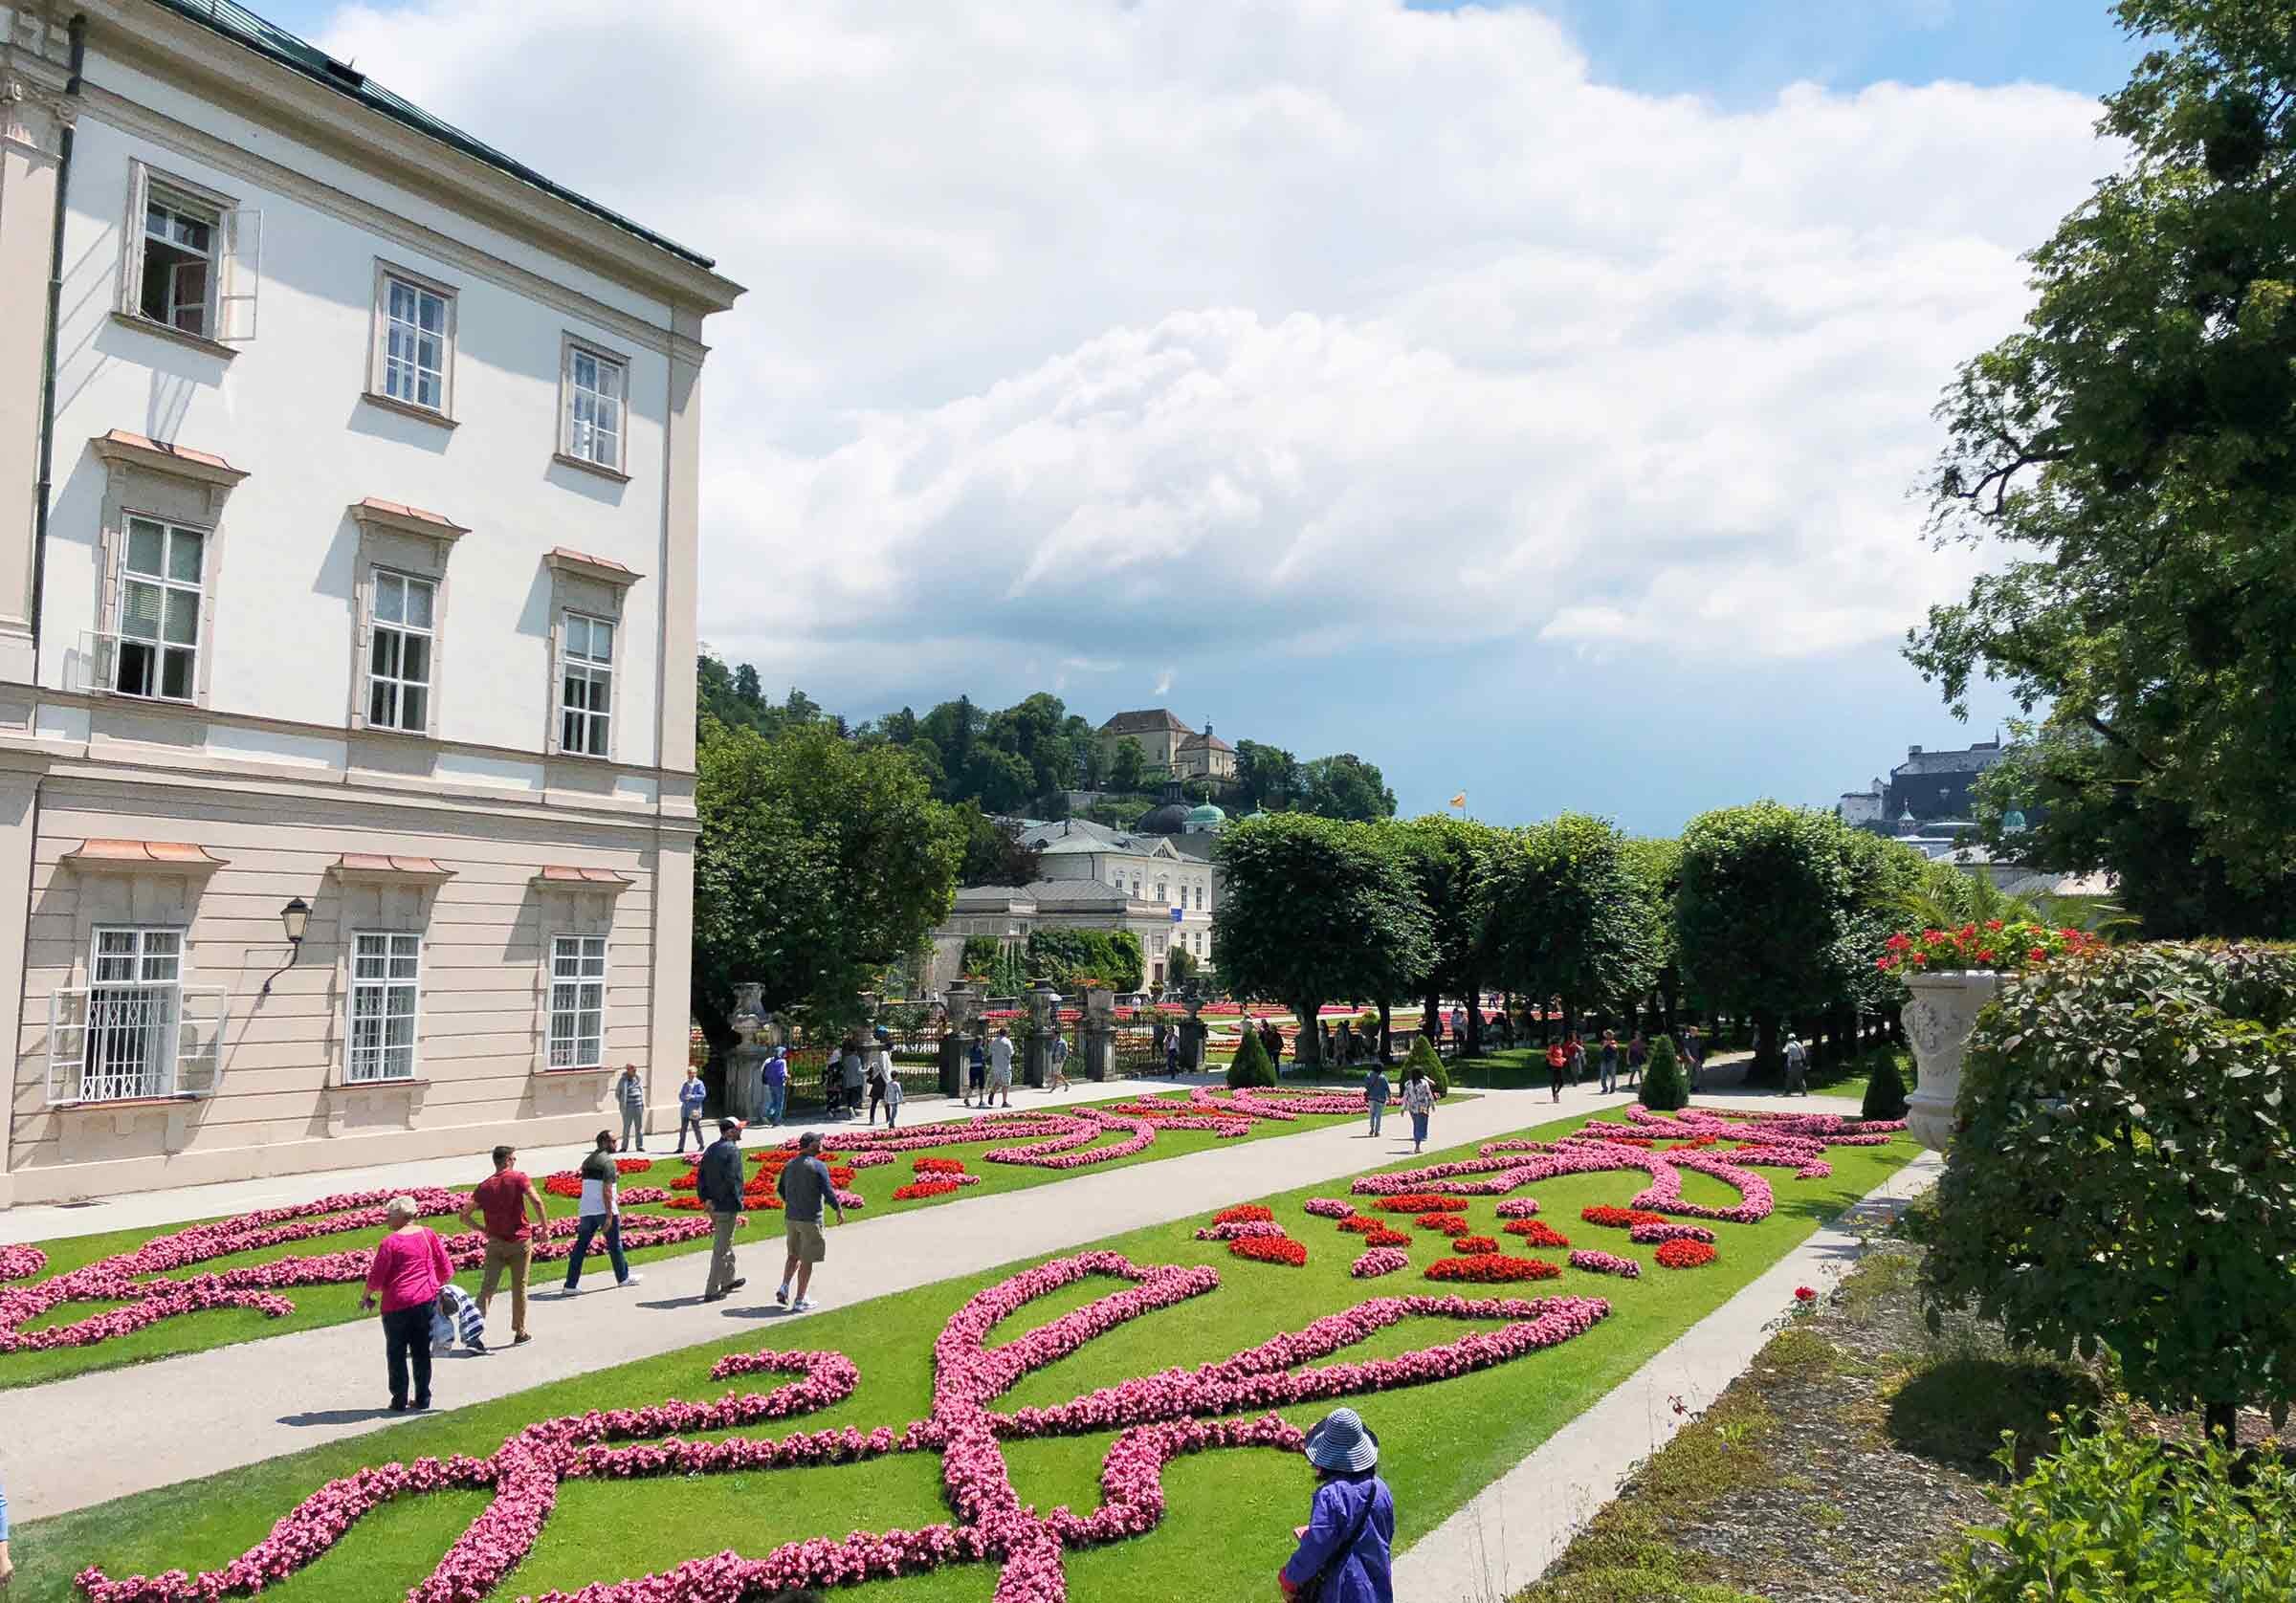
[1237, 1230]
[1377, 1262]
[1329, 1207]
[1157, 1417]
[1658, 1235]
[24, 1262]
[1606, 1263]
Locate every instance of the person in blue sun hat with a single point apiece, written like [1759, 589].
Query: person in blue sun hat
[1344, 1554]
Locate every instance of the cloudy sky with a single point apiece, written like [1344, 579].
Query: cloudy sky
[1525, 397]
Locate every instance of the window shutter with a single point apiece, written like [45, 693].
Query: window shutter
[199, 1041]
[67, 1043]
[131, 255]
[236, 306]
[556, 715]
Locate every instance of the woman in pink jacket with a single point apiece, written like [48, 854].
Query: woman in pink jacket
[409, 1268]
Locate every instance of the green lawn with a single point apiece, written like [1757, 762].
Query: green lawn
[1229, 1513]
[333, 1304]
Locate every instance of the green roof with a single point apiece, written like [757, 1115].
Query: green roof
[241, 26]
[1207, 814]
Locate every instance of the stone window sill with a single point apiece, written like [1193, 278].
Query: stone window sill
[169, 331]
[592, 1069]
[117, 1103]
[563, 460]
[380, 1085]
[407, 409]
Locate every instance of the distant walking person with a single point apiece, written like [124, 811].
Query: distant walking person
[976, 1073]
[1558, 1064]
[893, 1097]
[1060, 1064]
[804, 1188]
[600, 1209]
[1693, 1052]
[502, 1203]
[691, 1095]
[1607, 1062]
[629, 1092]
[855, 1075]
[999, 1067]
[1638, 1053]
[774, 1077]
[1418, 1101]
[718, 1183]
[1374, 1096]
[1272, 1038]
[1345, 1548]
[878, 1067]
[408, 1269]
[1798, 1066]
[1577, 1052]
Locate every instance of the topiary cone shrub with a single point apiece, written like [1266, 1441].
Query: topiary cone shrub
[1249, 1066]
[1423, 1056]
[2125, 1172]
[1885, 1091]
[1663, 1089]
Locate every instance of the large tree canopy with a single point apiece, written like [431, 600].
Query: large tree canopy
[2134, 446]
[1345, 786]
[1315, 910]
[1447, 859]
[820, 862]
[1570, 915]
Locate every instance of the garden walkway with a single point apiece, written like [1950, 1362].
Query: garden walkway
[1507, 1535]
[318, 1386]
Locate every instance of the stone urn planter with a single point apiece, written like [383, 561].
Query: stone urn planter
[1938, 1019]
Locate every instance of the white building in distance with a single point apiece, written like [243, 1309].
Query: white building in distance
[348, 591]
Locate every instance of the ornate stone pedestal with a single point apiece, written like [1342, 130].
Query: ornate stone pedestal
[1938, 1019]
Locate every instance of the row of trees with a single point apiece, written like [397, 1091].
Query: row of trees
[1766, 912]
[1023, 758]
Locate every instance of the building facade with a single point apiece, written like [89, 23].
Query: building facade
[1930, 798]
[347, 593]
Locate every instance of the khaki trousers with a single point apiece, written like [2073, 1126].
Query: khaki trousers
[721, 1253]
[518, 1256]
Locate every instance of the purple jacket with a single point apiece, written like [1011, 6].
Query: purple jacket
[1353, 1571]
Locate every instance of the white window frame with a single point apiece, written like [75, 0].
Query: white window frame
[381, 577]
[202, 606]
[572, 448]
[378, 358]
[564, 988]
[235, 259]
[381, 988]
[155, 1033]
[585, 667]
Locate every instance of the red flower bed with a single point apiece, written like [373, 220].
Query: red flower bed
[1491, 1268]
[687, 1181]
[1538, 1233]
[564, 1183]
[1271, 1250]
[1449, 1224]
[1423, 1202]
[632, 1165]
[1621, 1219]
[1685, 1255]
[918, 1189]
[1383, 1236]
[1244, 1213]
[1361, 1224]
[1474, 1244]
[937, 1165]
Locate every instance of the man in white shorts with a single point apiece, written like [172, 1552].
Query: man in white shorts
[999, 1067]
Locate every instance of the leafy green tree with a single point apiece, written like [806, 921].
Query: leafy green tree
[1249, 1066]
[1345, 786]
[2125, 1172]
[1129, 769]
[1655, 864]
[1315, 909]
[1567, 914]
[818, 865]
[2081, 819]
[1664, 1089]
[1266, 777]
[2134, 443]
[1066, 956]
[1179, 968]
[994, 852]
[746, 685]
[1448, 860]
[1765, 907]
[1000, 781]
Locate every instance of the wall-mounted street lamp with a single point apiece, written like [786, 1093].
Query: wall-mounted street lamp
[296, 919]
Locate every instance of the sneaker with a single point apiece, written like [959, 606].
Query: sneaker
[736, 1284]
[713, 1296]
[781, 1295]
[479, 1348]
[804, 1305]
[421, 1405]
[631, 1279]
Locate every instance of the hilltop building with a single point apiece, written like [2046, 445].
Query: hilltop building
[1170, 748]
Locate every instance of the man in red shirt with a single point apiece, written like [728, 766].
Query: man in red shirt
[502, 1201]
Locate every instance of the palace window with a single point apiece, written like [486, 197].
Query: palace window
[385, 986]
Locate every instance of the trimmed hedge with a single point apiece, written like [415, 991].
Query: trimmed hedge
[1250, 1066]
[1884, 1090]
[1423, 1056]
[1663, 1086]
